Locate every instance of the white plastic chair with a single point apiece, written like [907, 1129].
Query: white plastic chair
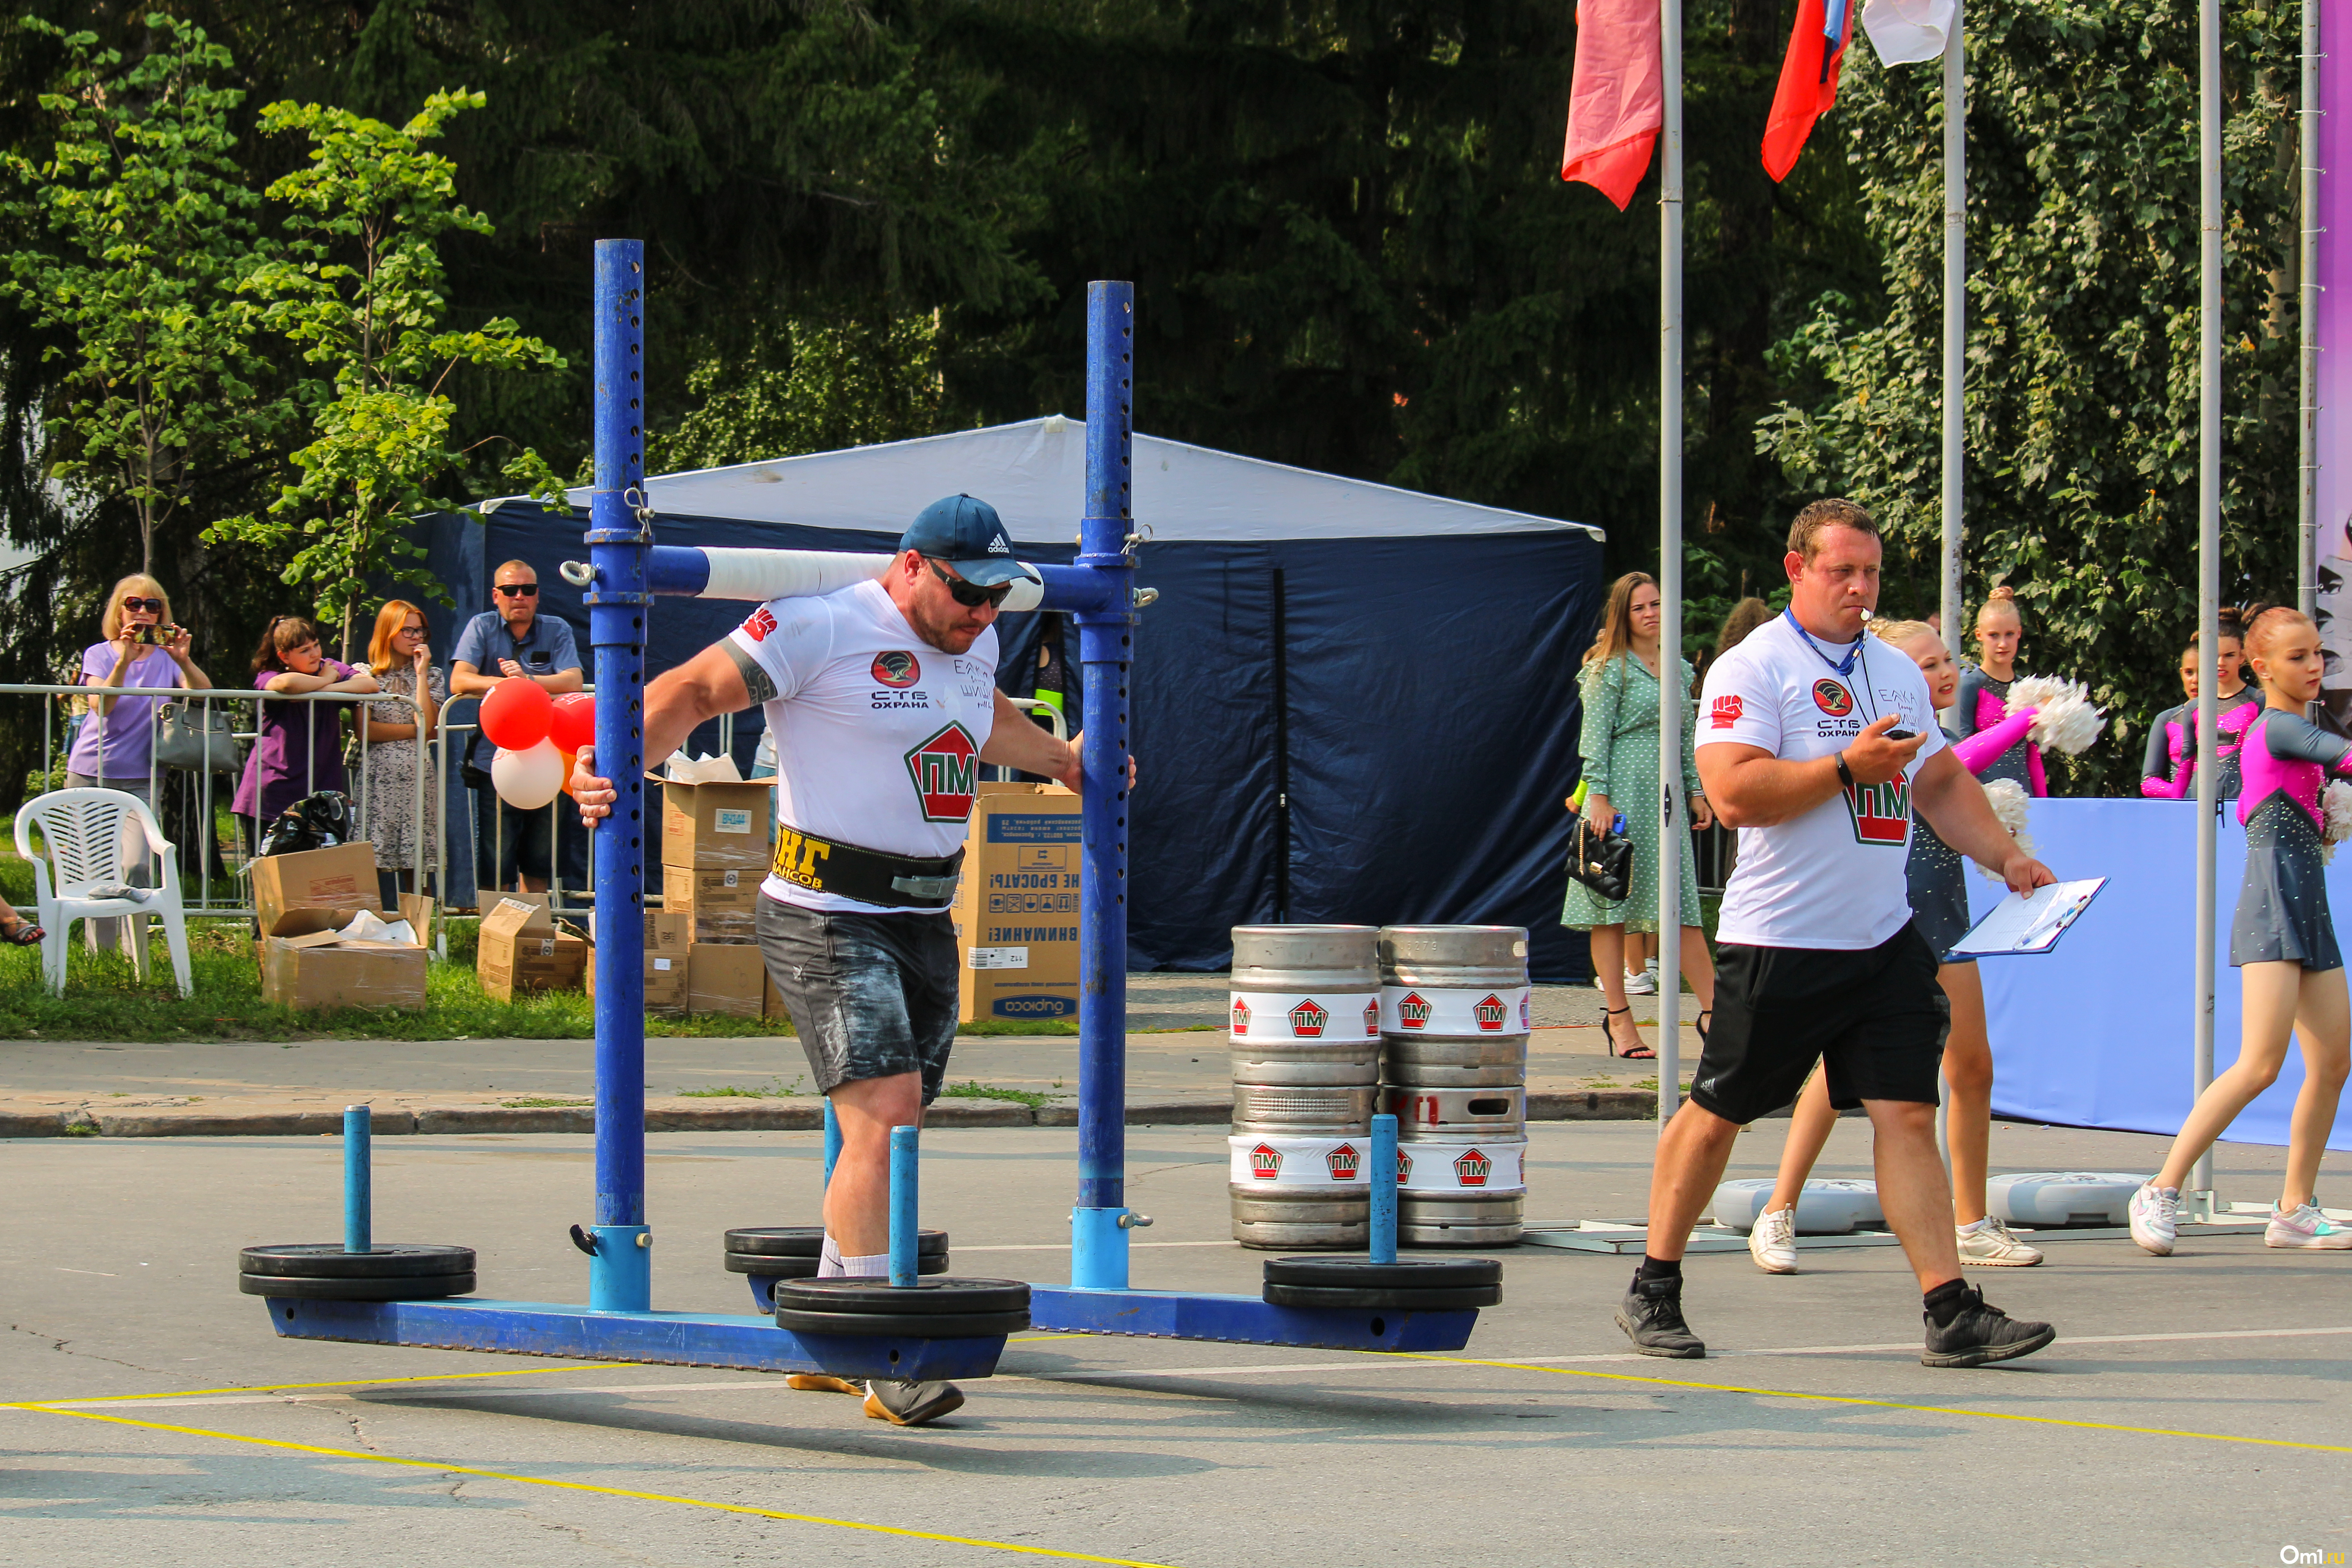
[85, 832]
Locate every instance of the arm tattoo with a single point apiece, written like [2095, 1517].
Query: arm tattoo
[756, 679]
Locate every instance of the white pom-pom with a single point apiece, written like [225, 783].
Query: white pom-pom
[2067, 724]
[2007, 798]
[2336, 806]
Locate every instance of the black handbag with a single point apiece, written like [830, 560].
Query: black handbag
[1601, 860]
[198, 737]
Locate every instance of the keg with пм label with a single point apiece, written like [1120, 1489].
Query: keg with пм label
[1305, 1005]
[1462, 1194]
[1453, 1005]
[1300, 1191]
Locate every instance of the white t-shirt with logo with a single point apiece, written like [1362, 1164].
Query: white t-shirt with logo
[878, 732]
[1833, 878]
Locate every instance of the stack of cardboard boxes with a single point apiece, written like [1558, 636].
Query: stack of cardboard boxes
[1017, 909]
[718, 832]
[524, 950]
[304, 902]
[665, 961]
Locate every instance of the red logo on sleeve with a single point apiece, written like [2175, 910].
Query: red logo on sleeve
[1725, 713]
[761, 622]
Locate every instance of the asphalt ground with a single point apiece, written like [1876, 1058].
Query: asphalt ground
[2194, 1410]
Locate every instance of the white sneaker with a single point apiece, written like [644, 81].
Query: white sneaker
[2156, 1217]
[1988, 1243]
[1773, 1242]
[1642, 984]
[2306, 1228]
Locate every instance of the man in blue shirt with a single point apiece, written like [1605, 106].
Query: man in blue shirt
[512, 848]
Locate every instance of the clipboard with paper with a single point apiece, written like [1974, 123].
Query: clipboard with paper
[2032, 923]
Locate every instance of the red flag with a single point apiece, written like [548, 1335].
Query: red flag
[1808, 78]
[1618, 103]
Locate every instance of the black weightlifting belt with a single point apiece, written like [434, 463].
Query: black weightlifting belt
[869, 876]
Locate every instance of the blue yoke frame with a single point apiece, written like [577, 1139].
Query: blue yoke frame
[619, 1322]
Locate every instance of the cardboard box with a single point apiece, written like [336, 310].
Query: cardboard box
[719, 824]
[724, 977]
[666, 959]
[720, 903]
[304, 965]
[343, 878]
[524, 950]
[1017, 909]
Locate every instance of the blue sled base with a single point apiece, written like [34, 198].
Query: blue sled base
[667, 1338]
[1244, 1321]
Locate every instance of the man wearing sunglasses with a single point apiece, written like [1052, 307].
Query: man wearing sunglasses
[514, 848]
[883, 700]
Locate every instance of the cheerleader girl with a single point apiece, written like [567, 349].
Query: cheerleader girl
[1940, 907]
[1983, 692]
[2283, 943]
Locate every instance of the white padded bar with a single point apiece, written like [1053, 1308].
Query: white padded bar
[760, 574]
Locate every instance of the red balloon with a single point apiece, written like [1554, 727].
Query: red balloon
[575, 721]
[515, 712]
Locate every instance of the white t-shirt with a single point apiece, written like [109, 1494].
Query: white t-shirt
[878, 732]
[1833, 878]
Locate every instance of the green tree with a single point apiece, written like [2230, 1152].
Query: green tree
[359, 291]
[139, 231]
[2082, 373]
[807, 385]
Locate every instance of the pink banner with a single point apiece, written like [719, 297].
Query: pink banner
[2332, 329]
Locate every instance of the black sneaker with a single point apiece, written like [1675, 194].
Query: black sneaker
[1981, 1334]
[1651, 1316]
[910, 1403]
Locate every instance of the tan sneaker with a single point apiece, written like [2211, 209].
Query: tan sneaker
[1989, 1243]
[818, 1383]
[1773, 1242]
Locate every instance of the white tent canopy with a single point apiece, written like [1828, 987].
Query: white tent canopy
[1033, 473]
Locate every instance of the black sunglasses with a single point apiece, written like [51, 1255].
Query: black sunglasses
[152, 606]
[518, 590]
[970, 596]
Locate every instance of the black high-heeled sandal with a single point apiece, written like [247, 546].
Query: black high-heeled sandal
[1637, 1051]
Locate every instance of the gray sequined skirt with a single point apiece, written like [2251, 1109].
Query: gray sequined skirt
[2282, 904]
[1939, 888]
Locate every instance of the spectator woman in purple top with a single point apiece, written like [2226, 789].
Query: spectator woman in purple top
[113, 746]
[300, 748]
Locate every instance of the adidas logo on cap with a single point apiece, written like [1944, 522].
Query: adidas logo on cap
[998, 546]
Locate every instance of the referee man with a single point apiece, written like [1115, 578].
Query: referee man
[1818, 751]
[882, 698]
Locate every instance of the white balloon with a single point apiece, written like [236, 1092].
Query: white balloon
[528, 779]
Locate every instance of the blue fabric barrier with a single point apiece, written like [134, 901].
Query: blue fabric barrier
[2098, 1032]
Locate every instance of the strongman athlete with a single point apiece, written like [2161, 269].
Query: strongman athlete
[882, 698]
[1816, 749]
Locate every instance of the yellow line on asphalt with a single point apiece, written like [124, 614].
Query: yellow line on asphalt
[286, 1387]
[602, 1491]
[1891, 1405]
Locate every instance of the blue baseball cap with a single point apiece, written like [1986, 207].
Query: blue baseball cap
[967, 532]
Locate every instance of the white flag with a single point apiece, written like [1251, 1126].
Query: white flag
[1908, 32]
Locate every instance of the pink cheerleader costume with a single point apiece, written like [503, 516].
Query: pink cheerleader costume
[2283, 914]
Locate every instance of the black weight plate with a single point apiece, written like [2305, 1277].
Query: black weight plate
[419, 1290]
[904, 1325]
[808, 1240]
[806, 1267]
[1388, 1300]
[944, 1294]
[328, 1260]
[1362, 1274]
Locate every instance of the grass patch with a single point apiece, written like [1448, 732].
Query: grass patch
[972, 1091]
[774, 1089]
[541, 1103]
[1014, 1027]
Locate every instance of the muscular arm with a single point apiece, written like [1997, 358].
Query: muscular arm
[465, 681]
[1016, 742]
[563, 680]
[721, 678]
[1954, 803]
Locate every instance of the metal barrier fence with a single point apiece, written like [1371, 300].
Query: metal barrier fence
[216, 843]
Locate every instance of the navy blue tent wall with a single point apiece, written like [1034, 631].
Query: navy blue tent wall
[1368, 731]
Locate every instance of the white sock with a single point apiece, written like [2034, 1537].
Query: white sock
[876, 1266]
[828, 1260]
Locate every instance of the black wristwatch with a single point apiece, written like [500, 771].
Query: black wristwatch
[1845, 774]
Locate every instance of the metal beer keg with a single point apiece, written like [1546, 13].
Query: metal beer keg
[1304, 1032]
[1453, 1049]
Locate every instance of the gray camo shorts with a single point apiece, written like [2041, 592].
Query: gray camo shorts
[870, 996]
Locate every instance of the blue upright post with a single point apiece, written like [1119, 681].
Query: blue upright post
[1105, 648]
[906, 1204]
[1384, 1189]
[620, 1272]
[832, 1142]
[359, 1180]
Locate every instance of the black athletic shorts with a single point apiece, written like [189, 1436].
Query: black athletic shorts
[1876, 1017]
[871, 996]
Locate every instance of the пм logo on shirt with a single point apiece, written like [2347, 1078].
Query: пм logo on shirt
[944, 769]
[1881, 812]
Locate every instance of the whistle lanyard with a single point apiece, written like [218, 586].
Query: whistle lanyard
[1852, 654]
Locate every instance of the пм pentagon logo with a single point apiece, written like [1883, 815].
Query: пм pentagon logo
[1832, 699]
[1372, 1019]
[897, 668]
[1265, 1162]
[1241, 1017]
[1343, 1163]
[1412, 1011]
[1491, 1013]
[1307, 1019]
[1471, 1169]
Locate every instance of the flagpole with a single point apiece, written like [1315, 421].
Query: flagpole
[2307, 562]
[1956, 319]
[1672, 840]
[2198, 1202]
